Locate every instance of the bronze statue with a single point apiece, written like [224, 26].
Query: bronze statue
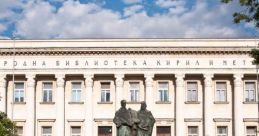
[134, 123]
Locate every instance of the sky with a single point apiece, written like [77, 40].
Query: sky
[60, 19]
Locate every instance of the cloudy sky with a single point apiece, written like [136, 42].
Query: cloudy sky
[43, 19]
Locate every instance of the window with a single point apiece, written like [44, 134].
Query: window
[105, 92]
[19, 131]
[192, 93]
[192, 131]
[104, 131]
[46, 131]
[221, 91]
[222, 131]
[134, 91]
[250, 91]
[250, 131]
[76, 91]
[163, 91]
[19, 92]
[47, 92]
[75, 131]
[163, 131]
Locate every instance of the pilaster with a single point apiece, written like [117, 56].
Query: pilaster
[149, 90]
[119, 89]
[2, 93]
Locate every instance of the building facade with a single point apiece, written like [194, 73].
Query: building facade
[193, 87]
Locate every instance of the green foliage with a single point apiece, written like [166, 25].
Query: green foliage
[7, 127]
[250, 13]
[255, 54]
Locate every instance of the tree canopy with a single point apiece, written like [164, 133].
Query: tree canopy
[7, 127]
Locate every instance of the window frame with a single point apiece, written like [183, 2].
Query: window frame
[255, 90]
[14, 91]
[136, 92]
[49, 134]
[197, 91]
[48, 90]
[217, 134]
[188, 134]
[226, 91]
[251, 134]
[71, 130]
[163, 90]
[17, 130]
[78, 91]
[106, 91]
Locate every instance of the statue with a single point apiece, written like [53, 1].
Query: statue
[123, 120]
[146, 121]
[134, 123]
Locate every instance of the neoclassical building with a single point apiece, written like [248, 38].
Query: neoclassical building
[193, 87]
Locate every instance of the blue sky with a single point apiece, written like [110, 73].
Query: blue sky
[43, 19]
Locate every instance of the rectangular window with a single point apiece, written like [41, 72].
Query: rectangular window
[76, 91]
[192, 91]
[222, 131]
[19, 92]
[47, 92]
[75, 131]
[104, 131]
[250, 91]
[134, 91]
[19, 131]
[221, 91]
[193, 131]
[163, 131]
[105, 92]
[46, 131]
[163, 91]
[251, 131]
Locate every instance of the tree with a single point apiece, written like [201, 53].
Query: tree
[250, 13]
[7, 127]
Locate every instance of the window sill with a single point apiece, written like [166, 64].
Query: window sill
[133, 102]
[50, 103]
[250, 102]
[19, 103]
[104, 102]
[221, 102]
[75, 102]
[192, 102]
[163, 102]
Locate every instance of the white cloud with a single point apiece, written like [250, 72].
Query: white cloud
[132, 10]
[77, 20]
[169, 3]
[131, 1]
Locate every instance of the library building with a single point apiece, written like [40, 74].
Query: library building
[73, 87]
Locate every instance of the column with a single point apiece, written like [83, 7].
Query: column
[149, 90]
[2, 93]
[208, 104]
[89, 105]
[119, 90]
[238, 93]
[179, 118]
[60, 100]
[30, 105]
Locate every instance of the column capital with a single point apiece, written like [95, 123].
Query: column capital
[60, 80]
[119, 79]
[89, 80]
[208, 79]
[30, 80]
[179, 79]
[149, 79]
[2, 80]
[238, 79]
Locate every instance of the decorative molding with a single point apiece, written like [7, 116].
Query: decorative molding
[119, 80]
[165, 119]
[75, 120]
[163, 102]
[149, 79]
[193, 120]
[48, 103]
[104, 102]
[192, 102]
[89, 80]
[75, 102]
[46, 120]
[250, 102]
[250, 119]
[221, 119]
[60, 80]
[103, 119]
[30, 80]
[2, 80]
[208, 79]
[221, 102]
[19, 120]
